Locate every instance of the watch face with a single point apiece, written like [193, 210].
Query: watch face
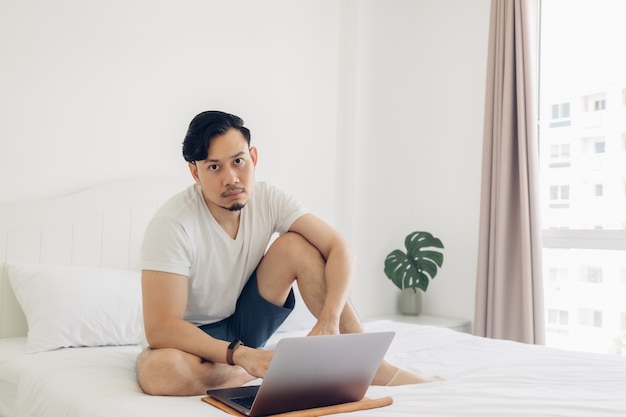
[235, 343]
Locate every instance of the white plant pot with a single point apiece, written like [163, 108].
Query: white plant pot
[410, 302]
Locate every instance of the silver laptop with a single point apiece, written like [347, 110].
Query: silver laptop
[309, 372]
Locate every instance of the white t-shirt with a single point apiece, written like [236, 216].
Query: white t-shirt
[184, 238]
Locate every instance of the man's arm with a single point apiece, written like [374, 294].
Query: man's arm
[164, 303]
[339, 272]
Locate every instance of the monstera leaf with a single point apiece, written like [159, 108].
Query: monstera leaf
[415, 268]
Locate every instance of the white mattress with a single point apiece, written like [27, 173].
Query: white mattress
[483, 377]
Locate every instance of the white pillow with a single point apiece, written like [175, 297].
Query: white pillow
[69, 306]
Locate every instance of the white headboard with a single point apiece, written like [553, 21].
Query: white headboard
[98, 227]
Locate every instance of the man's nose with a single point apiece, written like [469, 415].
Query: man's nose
[230, 176]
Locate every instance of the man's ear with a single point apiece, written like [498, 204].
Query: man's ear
[254, 154]
[193, 168]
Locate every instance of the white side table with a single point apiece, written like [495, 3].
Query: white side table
[460, 325]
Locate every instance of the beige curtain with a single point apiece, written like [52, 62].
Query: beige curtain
[509, 290]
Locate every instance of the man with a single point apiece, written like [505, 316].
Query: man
[212, 295]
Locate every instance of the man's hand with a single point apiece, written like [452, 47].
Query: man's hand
[325, 327]
[254, 361]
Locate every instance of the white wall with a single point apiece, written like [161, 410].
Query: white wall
[94, 91]
[419, 123]
[355, 105]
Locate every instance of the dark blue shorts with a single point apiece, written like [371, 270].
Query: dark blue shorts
[255, 319]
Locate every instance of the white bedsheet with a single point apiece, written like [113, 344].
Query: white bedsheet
[11, 358]
[482, 378]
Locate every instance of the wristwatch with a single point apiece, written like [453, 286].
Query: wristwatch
[231, 349]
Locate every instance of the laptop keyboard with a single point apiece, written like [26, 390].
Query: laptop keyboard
[244, 401]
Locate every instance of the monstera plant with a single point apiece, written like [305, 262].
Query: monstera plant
[414, 268]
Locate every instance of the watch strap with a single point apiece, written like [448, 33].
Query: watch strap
[231, 350]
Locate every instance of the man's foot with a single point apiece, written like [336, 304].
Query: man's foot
[403, 377]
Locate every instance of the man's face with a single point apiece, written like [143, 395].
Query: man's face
[227, 175]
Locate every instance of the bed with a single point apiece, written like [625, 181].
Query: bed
[70, 329]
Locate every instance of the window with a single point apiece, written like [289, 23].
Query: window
[599, 105]
[588, 317]
[560, 111]
[599, 190]
[591, 274]
[560, 115]
[583, 172]
[598, 146]
[558, 317]
[594, 145]
[560, 155]
[559, 151]
[557, 275]
[559, 196]
[595, 102]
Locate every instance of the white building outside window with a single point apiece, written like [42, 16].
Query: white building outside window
[582, 134]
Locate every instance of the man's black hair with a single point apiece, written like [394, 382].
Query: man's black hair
[204, 127]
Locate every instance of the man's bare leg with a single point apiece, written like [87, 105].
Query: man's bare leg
[294, 257]
[387, 373]
[174, 372]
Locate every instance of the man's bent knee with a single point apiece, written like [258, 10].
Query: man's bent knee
[167, 372]
[293, 246]
[290, 257]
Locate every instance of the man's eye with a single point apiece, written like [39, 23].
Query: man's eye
[213, 167]
[239, 161]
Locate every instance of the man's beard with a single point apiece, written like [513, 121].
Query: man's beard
[235, 207]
